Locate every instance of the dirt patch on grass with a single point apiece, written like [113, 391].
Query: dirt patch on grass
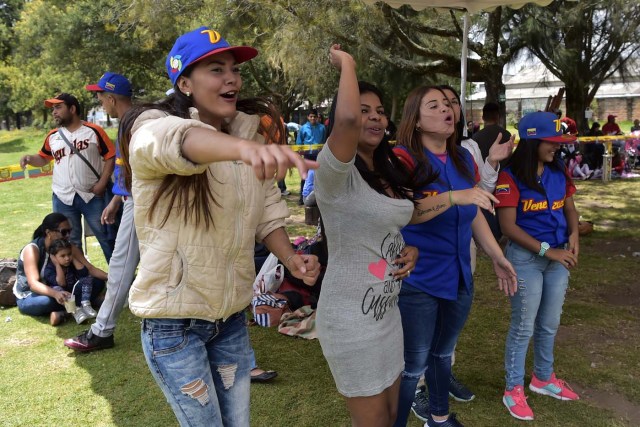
[624, 296]
[295, 219]
[595, 204]
[625, 330]
[617, 247]
[21, 342]
[623, 408]
[618, 404]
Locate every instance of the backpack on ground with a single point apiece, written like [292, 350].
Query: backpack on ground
[8, 267]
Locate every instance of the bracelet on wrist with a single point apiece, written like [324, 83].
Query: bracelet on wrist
[286, 261]
[451, 199]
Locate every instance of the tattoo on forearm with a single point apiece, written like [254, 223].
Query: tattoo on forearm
[435, 208]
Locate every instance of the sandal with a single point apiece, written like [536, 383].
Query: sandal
[264, 377]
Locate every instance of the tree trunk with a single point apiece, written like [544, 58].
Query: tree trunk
[494, 87]
[394, 108]
[7, 120]
[578, 101]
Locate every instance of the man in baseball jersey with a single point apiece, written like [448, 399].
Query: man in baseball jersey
[78, 189]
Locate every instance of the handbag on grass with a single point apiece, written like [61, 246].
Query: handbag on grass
[267, 305]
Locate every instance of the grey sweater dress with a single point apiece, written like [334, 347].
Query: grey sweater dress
[358, 320]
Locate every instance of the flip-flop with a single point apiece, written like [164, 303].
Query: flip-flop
[264, 377]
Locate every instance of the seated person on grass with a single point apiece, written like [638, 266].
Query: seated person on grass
[34, 297]
[65, 273]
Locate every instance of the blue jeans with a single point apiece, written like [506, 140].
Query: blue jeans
[42, 305]
[203, 368]
[431, 327]
[91, 212]
[535, 311]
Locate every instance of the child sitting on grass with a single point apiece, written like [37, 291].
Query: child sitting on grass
[64, 272]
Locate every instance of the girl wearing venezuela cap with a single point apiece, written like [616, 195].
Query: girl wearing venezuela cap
[203, 184]
[537, 214]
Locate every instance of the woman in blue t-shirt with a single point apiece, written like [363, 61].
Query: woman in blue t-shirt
[537, 214]
[435, 299]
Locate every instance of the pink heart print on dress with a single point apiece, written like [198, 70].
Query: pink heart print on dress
[379, 268]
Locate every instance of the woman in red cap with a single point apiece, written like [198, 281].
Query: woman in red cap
[538, 215]
[203, 185]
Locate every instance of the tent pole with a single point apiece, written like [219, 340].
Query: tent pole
[463, 67]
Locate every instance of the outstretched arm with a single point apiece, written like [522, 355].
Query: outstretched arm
[430, 207]
[268, 161]
[343, 141]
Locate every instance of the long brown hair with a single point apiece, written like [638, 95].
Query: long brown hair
[190, 195]
[409, 135]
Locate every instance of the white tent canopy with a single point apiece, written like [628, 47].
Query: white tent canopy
[470, 6]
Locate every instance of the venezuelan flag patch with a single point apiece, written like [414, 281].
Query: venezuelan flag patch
[503, 189]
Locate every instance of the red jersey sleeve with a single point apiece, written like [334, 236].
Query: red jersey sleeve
[476, 171]
[570, 188]
[405, 157]
[506, 191]
[45, 151]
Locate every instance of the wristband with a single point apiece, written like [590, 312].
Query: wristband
[451, 199]
[286, 261]
[544, 247]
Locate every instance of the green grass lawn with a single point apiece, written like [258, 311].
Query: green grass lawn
[44, 384]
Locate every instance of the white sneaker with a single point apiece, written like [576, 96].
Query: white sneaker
[80, 315]
[86, 306]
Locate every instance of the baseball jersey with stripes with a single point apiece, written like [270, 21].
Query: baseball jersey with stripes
[71, 174]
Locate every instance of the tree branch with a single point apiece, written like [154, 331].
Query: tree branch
[393, 14]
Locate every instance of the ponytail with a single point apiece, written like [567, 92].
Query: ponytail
[50, 222]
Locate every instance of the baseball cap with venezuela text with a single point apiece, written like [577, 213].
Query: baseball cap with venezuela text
[112, 83]
[191, 47]
[63, 98]
[545, 126]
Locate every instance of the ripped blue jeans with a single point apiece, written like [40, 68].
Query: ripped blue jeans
[203, 368]
[535, 312]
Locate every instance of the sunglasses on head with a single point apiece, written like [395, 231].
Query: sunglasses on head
[64, 231]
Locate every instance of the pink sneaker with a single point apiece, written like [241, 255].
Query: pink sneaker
[516, 403]
[554, 387]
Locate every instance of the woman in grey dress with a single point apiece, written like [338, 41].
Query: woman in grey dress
[363, 193]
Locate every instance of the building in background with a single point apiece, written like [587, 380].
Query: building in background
[527, 91]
